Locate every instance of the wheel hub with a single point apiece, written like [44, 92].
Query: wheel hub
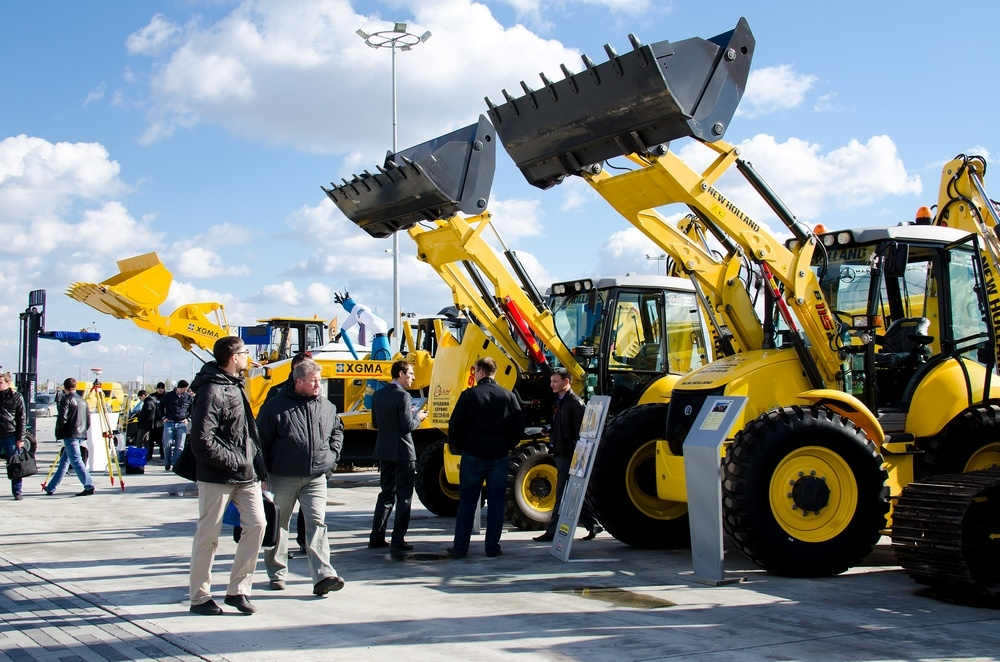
[810, 493]
[540, 487]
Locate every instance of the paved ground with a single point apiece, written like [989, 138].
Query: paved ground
[105, 578]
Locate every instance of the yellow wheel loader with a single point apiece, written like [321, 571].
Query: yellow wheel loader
[627, 337]
[870, 378]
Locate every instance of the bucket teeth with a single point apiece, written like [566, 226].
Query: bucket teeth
[430, 181]
[634, 102]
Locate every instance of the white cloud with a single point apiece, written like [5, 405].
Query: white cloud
[284, 293]
[771, 89]
[516, 219]
[297, 74]
[151, 39]
[96, 94]
[319, 294]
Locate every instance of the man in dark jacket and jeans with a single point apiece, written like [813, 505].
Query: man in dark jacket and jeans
[485, 425]
[72, 424]
[301, 436]
[224, 443]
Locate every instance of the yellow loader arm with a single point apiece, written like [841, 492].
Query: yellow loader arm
[136, 292]
[631, 106]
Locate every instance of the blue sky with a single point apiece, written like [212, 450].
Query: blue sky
[204, 129]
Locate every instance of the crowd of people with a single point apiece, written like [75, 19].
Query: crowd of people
[286, 454]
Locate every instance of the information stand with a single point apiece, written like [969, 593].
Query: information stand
[579, 475]
[703, 476]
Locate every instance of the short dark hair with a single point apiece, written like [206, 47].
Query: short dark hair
[69, 384]
[225, 348]
[563, 373]
[399, 368]
[141, 393]
[487, 365]
[183, 383]
[160, 385]
[300, 357]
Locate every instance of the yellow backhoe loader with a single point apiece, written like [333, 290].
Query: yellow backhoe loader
[872, 378]
[627, 337]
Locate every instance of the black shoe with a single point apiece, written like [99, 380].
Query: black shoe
[303, 551]
[453, 554]
[327, 585]
[405, 547]
[18, 497]
[166, 467]
[545, 537]
[592, 533]
[207, 609]
[47, 493]
[242, 603]
[494, 553]
[86, 492]
[377, 544]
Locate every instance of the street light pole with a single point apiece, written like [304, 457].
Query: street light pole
[391, 39]
[662, 257]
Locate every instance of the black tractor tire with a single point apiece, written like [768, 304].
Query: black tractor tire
[431, 484]
[969, 442]
[531, 487]
[804, 460]
[622, 489]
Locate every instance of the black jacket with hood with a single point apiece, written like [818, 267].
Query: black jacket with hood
[223, 434]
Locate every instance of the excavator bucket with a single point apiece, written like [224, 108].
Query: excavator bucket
[433, 180]
[141, 285]
[632, 103]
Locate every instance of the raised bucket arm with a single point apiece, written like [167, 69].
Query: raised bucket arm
[435, 179]
[630, 104]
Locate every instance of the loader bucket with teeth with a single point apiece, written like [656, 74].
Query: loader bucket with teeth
[633, 103]
[433, 180]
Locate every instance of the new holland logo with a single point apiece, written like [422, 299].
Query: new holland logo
[367, 369]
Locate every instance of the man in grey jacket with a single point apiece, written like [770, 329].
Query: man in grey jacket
[393, 416]
[301, 436]
[224, 443]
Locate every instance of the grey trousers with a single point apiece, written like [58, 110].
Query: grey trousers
[310, 492]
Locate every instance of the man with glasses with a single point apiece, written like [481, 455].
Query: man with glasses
[225, 445]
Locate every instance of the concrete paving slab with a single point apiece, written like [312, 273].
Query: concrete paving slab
[105, 577]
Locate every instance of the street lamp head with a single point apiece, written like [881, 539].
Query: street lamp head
[399, 27]
[361, 33]
[425, 36]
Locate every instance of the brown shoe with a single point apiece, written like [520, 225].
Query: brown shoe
[327, 585]
[242, 604]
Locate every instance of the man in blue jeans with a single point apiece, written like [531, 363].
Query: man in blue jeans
[11, 424]
[175, 407]
[485, 425]
[72, 424]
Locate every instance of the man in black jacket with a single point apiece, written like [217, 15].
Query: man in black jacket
[72, 424]
[393, 416]
[485, 425]
[11, 424]
[175, 409]
[301, 436]
[567, 418]
[224, 443]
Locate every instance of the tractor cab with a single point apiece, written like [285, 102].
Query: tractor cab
[280, 338]
[629, 331]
